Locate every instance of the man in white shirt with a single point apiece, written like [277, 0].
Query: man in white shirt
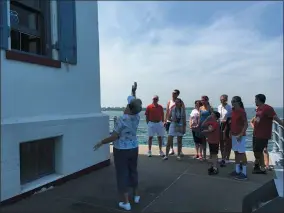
[225, 111]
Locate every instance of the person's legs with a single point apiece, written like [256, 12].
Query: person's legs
[151, 132]
[133, 173]
[228, 148]
[213, 148]
[179, 144]
[150, 146]
[169, 143]
[258, 148]
[237, 158]
[197, 144]
[172, 151]
[266, 158]
[122, 176]
[160, 133]
[222, 141]
[204, 144]
[242, 159]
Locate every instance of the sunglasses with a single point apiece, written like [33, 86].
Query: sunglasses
[155, 99]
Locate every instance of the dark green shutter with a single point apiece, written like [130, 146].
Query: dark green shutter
[67, 39]
[4, 29]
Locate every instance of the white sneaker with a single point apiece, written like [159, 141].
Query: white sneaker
[162, 154]
[172, 152]
[178, 157]
[125, 206]
[165, 158]
[136, 199]
[149, 153]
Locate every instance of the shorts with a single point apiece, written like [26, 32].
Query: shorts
[258, 144]
[195, 138]
[214, 148]
[156, 129]
[173, 132]
[239, 146]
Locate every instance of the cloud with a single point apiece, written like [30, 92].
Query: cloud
[227, 55]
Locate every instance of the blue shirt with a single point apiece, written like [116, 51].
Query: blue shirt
[203, 115]
[126, 126]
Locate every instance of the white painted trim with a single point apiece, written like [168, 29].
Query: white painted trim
[40, 182]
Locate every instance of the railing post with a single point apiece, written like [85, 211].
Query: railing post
[281, 141]
[275, 148]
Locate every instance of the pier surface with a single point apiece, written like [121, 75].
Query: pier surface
[165, 186]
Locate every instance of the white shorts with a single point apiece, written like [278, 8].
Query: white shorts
[239, 146]
[156, 129]
[173, 132]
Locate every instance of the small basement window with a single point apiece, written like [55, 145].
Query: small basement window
[37, 159]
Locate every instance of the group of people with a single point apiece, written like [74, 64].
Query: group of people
[224, 128]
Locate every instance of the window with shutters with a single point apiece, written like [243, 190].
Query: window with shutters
[29, 26]
[30, 31]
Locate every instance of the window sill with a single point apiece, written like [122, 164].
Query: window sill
[33, 59]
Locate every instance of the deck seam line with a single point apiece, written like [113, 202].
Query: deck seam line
[165, 190]
[90, 204]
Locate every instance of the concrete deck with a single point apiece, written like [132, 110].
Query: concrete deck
[165, 186]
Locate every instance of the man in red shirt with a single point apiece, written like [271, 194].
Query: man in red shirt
[213, 138]
[155, 121]
[262, 131]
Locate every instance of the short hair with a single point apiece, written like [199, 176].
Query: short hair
[177, 91]
[261, 98]
[225, 96]
[217, 114]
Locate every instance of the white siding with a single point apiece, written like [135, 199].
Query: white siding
[39, 102]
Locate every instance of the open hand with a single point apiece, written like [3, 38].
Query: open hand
[134, 87]
[97, 146]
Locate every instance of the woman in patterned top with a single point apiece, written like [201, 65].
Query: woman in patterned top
[177, 117]
[125, 150]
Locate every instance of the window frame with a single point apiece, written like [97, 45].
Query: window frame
[44, 31]
[34, 165]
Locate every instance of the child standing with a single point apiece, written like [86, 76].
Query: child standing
[213, 137]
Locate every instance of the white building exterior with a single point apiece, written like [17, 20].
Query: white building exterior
[50, 88]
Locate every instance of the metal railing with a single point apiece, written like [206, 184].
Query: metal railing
[188, 138]
[278, 140]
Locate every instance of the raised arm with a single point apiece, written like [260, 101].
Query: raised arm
[133, 89]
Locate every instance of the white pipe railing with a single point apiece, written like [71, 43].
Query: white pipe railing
[278, 140]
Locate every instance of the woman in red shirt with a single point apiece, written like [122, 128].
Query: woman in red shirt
[239, 125]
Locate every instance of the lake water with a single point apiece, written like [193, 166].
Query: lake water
[187, 139]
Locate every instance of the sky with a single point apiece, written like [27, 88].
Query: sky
[200, 48]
